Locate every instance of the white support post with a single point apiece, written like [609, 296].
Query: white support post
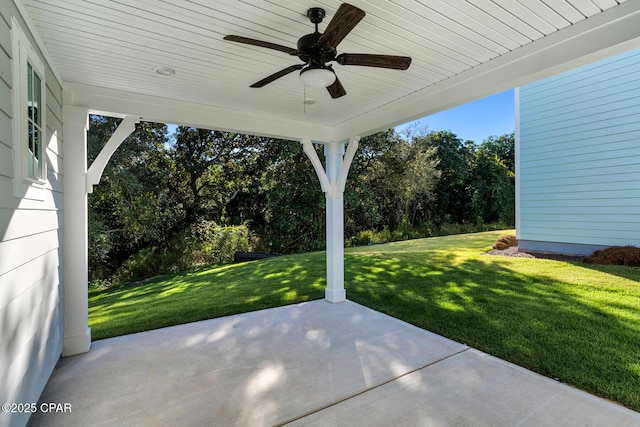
[335, 291]
[77, 334]
[77, 183]
[333, 183]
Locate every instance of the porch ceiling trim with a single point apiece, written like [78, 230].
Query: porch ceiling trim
[101, 100]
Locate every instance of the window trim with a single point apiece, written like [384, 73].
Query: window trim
[24, 55]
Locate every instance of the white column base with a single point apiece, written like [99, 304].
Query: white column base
[77, 344]
[335, 295]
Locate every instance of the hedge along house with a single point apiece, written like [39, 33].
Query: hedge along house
[579, 158]
[168, 62]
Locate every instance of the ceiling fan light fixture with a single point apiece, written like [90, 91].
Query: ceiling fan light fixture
[317, 77]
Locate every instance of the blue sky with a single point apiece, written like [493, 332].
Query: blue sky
[494, 115]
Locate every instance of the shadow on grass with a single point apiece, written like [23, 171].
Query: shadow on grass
[585, 335]
[205, 294]
[631, 273]
[569, 321]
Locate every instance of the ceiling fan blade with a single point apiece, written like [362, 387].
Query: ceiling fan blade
[345, 19]
[336, 90]
[260, 43]
[277, 75]
[381, 61]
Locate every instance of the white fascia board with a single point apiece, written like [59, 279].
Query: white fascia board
[100, 100]
[613, 31]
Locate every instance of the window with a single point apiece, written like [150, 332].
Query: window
[29, 136]
[34, 124]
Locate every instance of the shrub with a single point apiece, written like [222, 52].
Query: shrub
[618, 255]
[363, 238]
[208, 243]
[204, 243]
[370, 237]
[505, 242]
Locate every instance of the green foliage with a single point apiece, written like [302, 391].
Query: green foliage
[455, 159]
[372, 236]
[504, 148]
[202, 244]
[391, 186]
[211, 169]
[493, 189]
[154, 190]
[206, 243]
[161, 196]
[147, 262]
[131, 208]
[469, 227]
[294, 214]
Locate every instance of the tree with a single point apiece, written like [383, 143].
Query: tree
[132, 205]
[421, 176]
[367, 203]
[294, 214]
[162, 201]
[209, 171]
[393, 181]
[503, 147]
[455, 159]
[493, 184]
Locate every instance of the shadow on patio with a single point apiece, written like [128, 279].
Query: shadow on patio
[314, 363]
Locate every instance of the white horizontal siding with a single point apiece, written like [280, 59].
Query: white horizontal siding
[580, 155]
[29, 222]
[38, 300]
[6, 159]
[31, 326]
[18, 252]
[5, 33]
[5, 99]
[5, 64]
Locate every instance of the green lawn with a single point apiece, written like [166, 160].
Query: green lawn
[576, 322]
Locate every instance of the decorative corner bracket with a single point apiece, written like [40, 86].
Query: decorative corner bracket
[332, 187]
[126, 128]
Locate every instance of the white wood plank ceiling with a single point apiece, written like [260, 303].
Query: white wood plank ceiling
[115, 44]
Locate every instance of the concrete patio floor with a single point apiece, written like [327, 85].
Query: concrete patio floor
[315, 363]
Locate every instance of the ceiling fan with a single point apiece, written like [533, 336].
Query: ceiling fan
[317, 49]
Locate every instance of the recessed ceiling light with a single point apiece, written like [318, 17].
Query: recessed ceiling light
[164, 71]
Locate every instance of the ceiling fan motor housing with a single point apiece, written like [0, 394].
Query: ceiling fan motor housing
[310, 50]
